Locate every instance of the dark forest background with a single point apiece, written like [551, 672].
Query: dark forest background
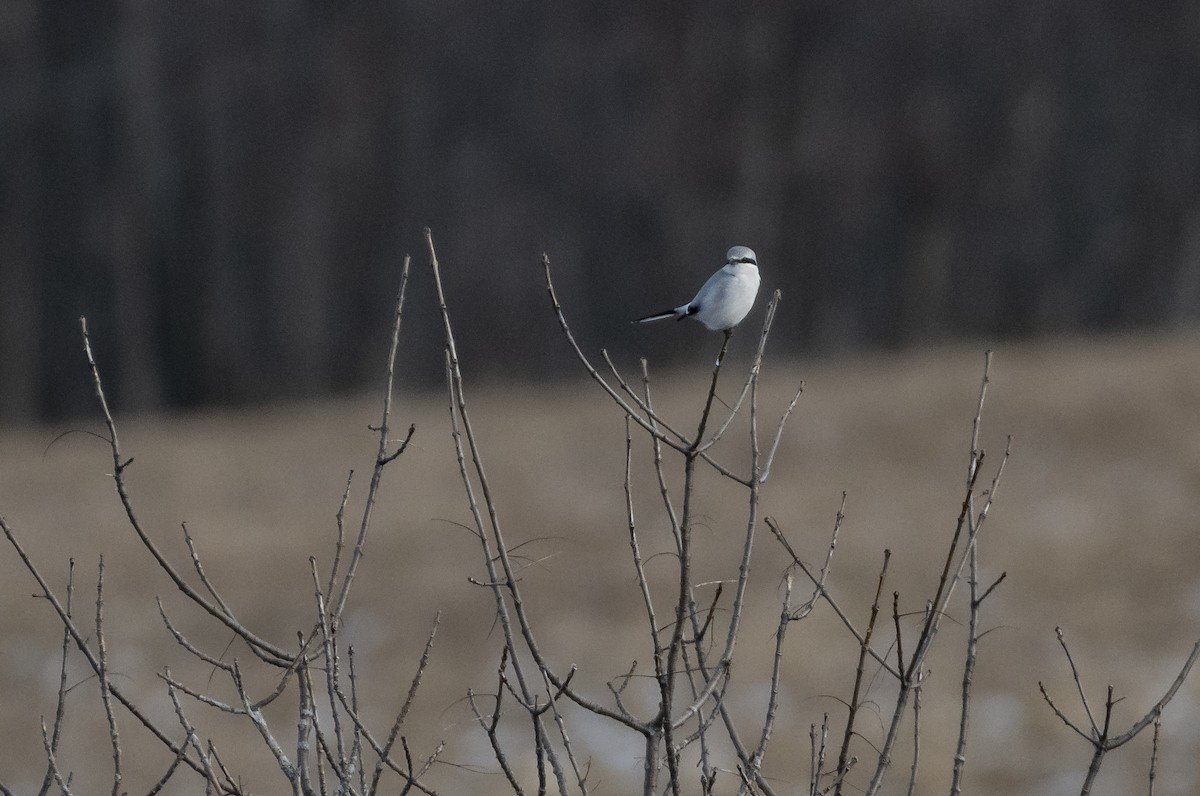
[227, 190]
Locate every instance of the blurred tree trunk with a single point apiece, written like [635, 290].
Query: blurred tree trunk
[21, 102]
[138, 202]
[227, 344]
[301, 257]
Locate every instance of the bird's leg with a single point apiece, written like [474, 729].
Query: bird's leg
[724, 345]
[712, 392]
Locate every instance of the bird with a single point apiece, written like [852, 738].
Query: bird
[725, 299]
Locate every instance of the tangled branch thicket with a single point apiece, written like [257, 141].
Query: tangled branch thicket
[681, 705]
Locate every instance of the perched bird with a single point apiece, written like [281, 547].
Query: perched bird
[725, 298]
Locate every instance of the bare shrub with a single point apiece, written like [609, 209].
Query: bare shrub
[681, 705]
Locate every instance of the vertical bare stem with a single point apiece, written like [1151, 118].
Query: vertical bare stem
[304, 727]
[960, 752]
[785, 618]
[1154, 754]
[916, 757]
[635, 548]
[959, 551]
[102, 676]
[856, 693]
[61, 702]
[382, 457]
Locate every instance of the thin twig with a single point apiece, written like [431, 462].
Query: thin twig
[1100, 737]
[170, 772]
[63, 784]
[61, 701]
[304, 727]
[766, 473]
[489, 727]
[818, 754]
[856, 692]
[837, 609]
[959, 550]
[785, 618]
[916, 755]
[210, 778]
[199, 567]
[652, 418]
[561, 725]
[592, 372]
[643, 583]
[752, 375]
[183, 641]
[269, 652]
[629, 410]
[82, 645]
[329, 638]
[385, 751]
[1062, 641]
[960, 752]
[260, 723]
[508, 589]
[807, 607]
[339, 520]
[1154, 754]
[975, 452]
[114, 736]
[382, 456]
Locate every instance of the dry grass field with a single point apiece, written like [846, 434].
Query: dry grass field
[1095, 523]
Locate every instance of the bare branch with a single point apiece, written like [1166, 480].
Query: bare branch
[1157, 710]
[394, 733]
[752, 375]
[975, 453]
[332, 675]
[199, 567]
[509, 583]
[269, 652]
[170, 772]
[785, 618]
[382, 457]
[260, 723]
[102, 675]
[856, 692]
[1100, 737]
[61, 700]
[183, 641]
[304, 729]
[819, 584]
[64, 785]
[959, 550]
[210, 778]
[652, 418]
[766, 473]
[916, 757]
[817, 761]
[81, 644]
[340, 545]
[1154, 754]
[643, 584]
[1046, 696]
[629, 410]
[1062, 641]
[489, 726]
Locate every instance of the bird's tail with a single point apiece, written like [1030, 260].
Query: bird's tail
[678, 313]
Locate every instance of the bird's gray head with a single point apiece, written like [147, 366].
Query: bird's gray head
[740, 254]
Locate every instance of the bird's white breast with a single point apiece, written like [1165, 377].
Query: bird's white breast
[728, 296]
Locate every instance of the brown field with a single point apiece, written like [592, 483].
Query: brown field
[1095, 524]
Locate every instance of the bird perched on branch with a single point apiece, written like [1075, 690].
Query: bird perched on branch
[725, 298]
